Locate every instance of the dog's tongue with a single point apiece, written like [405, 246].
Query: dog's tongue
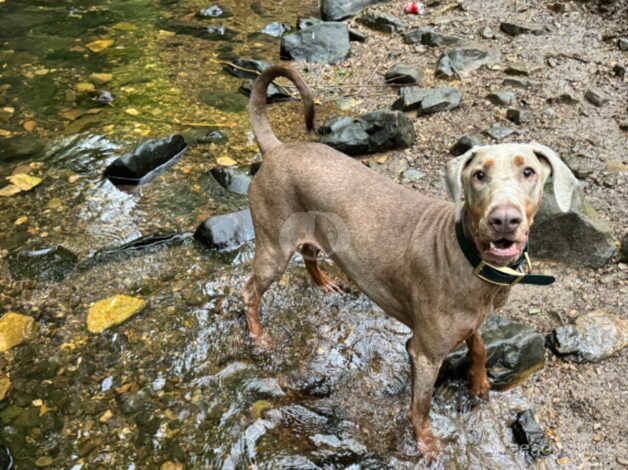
[512, 250]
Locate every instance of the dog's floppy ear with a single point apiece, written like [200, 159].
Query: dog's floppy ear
[453, 178]
[564, 182]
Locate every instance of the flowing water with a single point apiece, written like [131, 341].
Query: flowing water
[180, 382]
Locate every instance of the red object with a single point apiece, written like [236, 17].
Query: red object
[415, 8]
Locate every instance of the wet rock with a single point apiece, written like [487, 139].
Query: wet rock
[501, 98]
[324, 42]
[383, 22]
[518, 116]
[487, 33]
[514, 29]
[342, 448]
[514, 352]
[461, 61]
[46, 264]
[20, 147]
[427, 100]
[369, 133]
[403, 74]
[226, 232]
[579, 236]
[335, 10]
[498, 132]
[112, 311]
[596, 97]
[276, 29]
[104, 97]
[234, 179]
[591, 338]
[146, 161]
[137, 246]
[274, 93]
[465, 143]
[530, 436]
[264, 388]
[15, 328]
[245, 67]
[213, 11]
[429, 37]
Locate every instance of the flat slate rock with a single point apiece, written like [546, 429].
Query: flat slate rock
[427, 100]
[403, 74]
[498, 132]
[324, 42]
[274, 93]
[518, 116]
[501, 98]
[336, 10]
[146, 161]
[372, 132]
[46, 264]
[429, 37]
[462, 60]
[245, 67]
[596, 97]
[226, 232]
[515, 29]
[382, 22]
[514, 351]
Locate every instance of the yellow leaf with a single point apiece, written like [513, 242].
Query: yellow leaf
[132, 111]
[226, 161]
[124, 26]
[112, 311]
[9, 190]
[21, 220]
[162, 34]
[29, 126]
[85, 87]
[5, 384]
[5, 133]
[100, 45]
[381, 159]
[24, 182]
[562, 460]
[73, 114]
[73, 179]
[101, 78]
[8, 109]
[15, 328]
[106, 416]
[54, 203]
[43, 409]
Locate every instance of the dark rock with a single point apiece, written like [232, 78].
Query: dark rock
[460, 61]
[19, 148]
[514, 352]
[213, 11]
[519, 83]
[47, 264]
[578, 237]
[429, 37]
[487, 32]
[623, 252]
[223, 100]
[592, 337]
[274, 93]
[276, 29]
[244, 67]
[619, 70]
[518, 116]
[373, 132]
[382, 22]
[530, 436]
[464, 143]
[146, 161]
[403, 74]
[596, 97]
[104, 97]
[335, 10]
[498, 132]
[226, 232]
[514, 29]
[427, 100]
[503, 98]
[236, 180]
[622, 43]
[357, 36]
[323, 42]
[521, 68]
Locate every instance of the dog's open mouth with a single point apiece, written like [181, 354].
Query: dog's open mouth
[503, 248]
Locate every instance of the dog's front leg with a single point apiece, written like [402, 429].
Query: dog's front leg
[424, 372]
[478, 379]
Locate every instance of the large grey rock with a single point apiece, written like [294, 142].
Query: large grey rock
[579, 236]
[429, 37]
[427, 100]
[382, 22]
[515, 29]
[514, 351]
[325, 42]
[592, 337]
[226, 232]
[46, 264]
[460, 61]
[335, 10]
[373, 132]
[403, 74]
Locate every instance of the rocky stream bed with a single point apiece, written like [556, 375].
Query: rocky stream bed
[125, 157]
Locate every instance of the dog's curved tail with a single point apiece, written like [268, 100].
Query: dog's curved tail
[264, 135]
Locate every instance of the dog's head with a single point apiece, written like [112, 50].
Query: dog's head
[502, 187]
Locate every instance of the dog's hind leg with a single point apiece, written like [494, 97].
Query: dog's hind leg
[321, 278]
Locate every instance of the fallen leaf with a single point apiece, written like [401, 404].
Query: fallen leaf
[226, 161]
[132, 111]
[44, 461]
[9, 109]
[30, 125]
[9, 190]
[41, 72]
[101, 78]
[124, 26]
[54, 203]
[24, 181]
[85, 87]
[5, 384]
[112, 311]
[106, 416]
[5, 133]
[73, 179]
[163, 34]
[562, 460]
[381, 159]
[21, 220]
[37, 402]
[100, 45]
[15, 328]
[94, 110]
[73, 114]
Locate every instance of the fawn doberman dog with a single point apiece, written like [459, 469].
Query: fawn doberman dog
[439, 267]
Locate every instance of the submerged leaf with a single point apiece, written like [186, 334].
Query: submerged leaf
[24, 181]
[9, 190]
[100, 45]
[226, 161]
[112, 311]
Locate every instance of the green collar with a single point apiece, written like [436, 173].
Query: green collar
[501, 276]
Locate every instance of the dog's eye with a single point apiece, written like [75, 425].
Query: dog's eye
[479, 175]
[528, 172]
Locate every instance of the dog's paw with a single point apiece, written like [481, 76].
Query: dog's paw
[429, 446]
[479, 385]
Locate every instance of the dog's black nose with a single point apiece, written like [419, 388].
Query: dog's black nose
[505, 219]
